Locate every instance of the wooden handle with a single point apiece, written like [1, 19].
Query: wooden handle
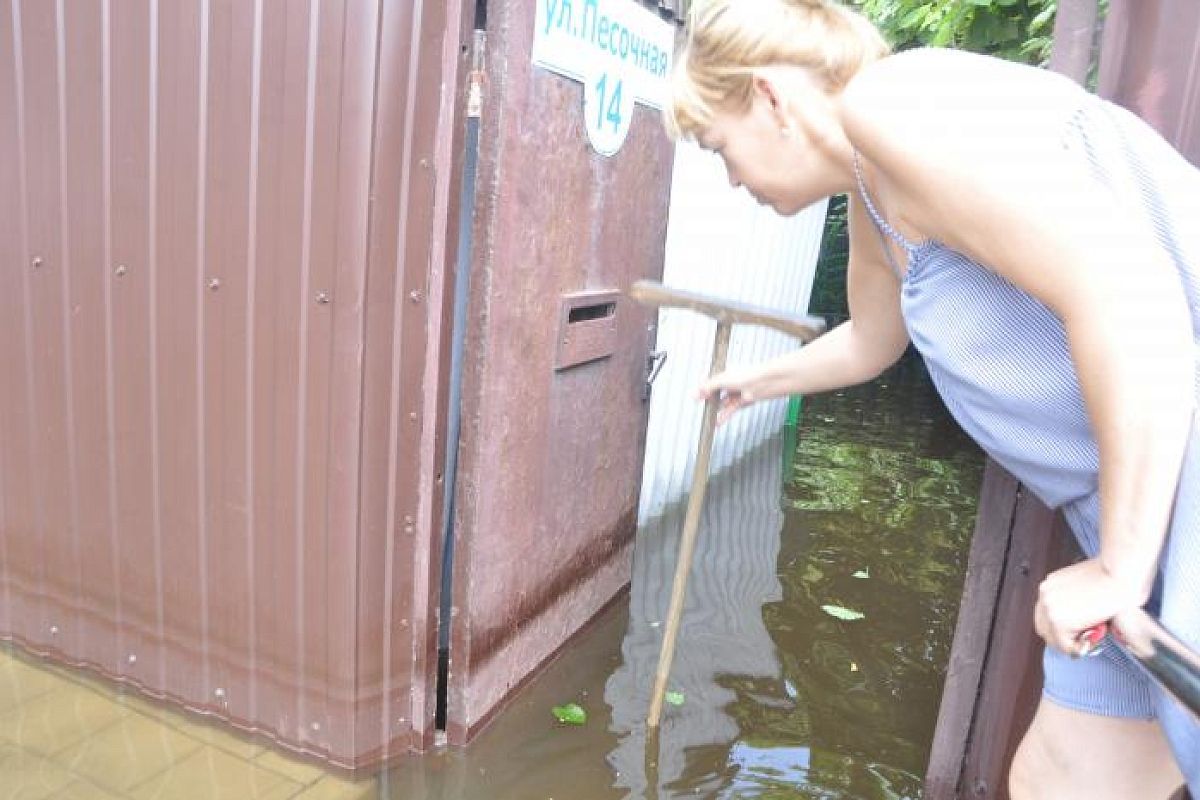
[691, 528]
[653, 293]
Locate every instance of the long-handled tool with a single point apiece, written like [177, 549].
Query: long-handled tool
[727, 314]
[1168, 660]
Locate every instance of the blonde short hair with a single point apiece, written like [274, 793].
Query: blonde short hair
[727, 39]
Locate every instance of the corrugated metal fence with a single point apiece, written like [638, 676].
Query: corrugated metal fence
[216, 222]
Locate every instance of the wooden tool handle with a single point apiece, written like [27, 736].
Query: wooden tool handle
[653, 293]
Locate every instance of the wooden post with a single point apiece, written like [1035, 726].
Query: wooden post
[727, 313]
[691, 526]
[994, 679]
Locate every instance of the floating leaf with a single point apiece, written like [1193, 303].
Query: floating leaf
[571, 714]
[847, 614]
[674, 698]
[862, 573]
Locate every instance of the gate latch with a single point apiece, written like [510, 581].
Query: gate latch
[654, 365]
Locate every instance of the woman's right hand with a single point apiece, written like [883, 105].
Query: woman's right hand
[733, 391]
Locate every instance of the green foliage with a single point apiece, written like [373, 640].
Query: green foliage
[829, 286]
[1019, 30]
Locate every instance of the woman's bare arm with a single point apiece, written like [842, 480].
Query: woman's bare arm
[853, 352]
[971, 152]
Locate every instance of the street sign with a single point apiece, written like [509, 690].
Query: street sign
[619, 50]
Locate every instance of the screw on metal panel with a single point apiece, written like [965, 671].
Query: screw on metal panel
[412, 415]
[121, 270]
[322, 298]
[316, 726]
[219, 693]
[37, 261]
[214, 284]
[132, 658]
[414, 296]
[54, 630]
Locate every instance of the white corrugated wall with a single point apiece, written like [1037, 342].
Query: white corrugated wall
[722, 631]
[722, 243]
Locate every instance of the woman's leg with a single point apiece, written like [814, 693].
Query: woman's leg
[1068, 754]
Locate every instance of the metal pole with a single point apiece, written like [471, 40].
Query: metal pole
[1168, 660]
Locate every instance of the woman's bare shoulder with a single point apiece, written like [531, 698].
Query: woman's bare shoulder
[944, 66]
[937, 102]
[945, 82]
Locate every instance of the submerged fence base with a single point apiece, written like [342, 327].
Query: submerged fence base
[994, 678]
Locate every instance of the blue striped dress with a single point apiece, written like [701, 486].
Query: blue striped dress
[1000, 360]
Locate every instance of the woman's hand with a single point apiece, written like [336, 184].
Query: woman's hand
[1075, 598]
[733, 389]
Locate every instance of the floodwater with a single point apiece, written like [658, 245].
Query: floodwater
[820, 610]
[775, 696]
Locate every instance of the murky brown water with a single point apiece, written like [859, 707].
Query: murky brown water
[780, 699]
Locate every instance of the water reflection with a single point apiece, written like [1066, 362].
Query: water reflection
[880, 506]
[722, 631]
[784, 699]
[780, 699]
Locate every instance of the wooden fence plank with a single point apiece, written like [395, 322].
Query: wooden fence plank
[981, 592]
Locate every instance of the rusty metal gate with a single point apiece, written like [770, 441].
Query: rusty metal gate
[553, 388]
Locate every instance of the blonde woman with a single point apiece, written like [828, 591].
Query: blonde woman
[1041, 250]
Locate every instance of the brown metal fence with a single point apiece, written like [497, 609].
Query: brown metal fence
[1151, 65]
[220, 314]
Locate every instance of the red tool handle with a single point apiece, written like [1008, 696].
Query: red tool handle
[1089, 641]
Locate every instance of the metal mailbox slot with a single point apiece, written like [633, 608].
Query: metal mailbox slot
[587, 327]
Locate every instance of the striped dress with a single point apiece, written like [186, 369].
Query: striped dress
[1000, 360]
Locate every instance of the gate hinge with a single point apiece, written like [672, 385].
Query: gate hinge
[478, 77]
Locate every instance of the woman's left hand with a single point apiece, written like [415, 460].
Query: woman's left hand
[1075, 598]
